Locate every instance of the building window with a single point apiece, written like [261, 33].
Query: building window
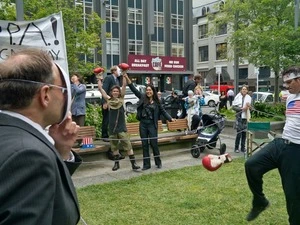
[243, 73]
[203, 31]
[158, 19]
[112, 13]
[177, 21]
[203, 53]
[135, 16]
[135, 47]
[204, 11]
[113, 46]
[221, 51]
[221, 29]
[177, 50]
[157, 48]
[264, 72]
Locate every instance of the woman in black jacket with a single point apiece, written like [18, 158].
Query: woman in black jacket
[148, 112]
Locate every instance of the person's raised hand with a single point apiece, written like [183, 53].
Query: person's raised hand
[64, 135]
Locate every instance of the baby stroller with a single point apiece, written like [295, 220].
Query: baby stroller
[208, 135]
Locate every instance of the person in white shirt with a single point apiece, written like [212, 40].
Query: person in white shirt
[230, 95]
[241, 104]
[282, 154]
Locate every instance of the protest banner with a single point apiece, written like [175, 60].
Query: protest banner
[46, 34]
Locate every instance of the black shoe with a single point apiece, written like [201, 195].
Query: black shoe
[146, 168]
[255, 211]
[159, 166]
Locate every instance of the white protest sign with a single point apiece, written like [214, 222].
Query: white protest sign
[46, 33]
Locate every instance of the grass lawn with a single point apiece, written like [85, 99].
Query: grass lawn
[186, 196]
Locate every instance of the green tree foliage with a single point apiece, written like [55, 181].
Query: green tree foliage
[265, 33]
[81, 39]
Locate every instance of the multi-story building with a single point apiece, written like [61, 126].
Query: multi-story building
[212, 52]
[153, 36]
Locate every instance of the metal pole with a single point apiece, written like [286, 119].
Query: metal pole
[20, 10]
[236, 56]
[257, 83]
[219, 83]
[296, 14]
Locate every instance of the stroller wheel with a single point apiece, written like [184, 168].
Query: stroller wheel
[195, 151]
[222, 149]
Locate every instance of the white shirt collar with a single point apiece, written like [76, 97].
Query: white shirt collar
[30, 122]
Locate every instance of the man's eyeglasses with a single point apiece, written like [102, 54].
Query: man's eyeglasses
[63, 89]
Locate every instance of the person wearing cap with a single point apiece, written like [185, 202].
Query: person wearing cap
[108, 82]
[37, 134]
[282, 154]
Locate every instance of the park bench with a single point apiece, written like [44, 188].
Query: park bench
[133, 130]
[89, 132]
[173, 136]
[182, 134]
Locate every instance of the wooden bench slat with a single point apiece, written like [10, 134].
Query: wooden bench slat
[179, 124]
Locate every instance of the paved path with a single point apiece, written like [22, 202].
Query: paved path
[97, 168]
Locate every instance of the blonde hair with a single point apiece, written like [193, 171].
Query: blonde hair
[113, 68]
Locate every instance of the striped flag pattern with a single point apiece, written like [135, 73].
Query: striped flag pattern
[293, 107]
[87, 142]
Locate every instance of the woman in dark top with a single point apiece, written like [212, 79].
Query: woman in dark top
[223, 101]
[148, 112]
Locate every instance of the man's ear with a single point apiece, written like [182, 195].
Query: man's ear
[44, 95]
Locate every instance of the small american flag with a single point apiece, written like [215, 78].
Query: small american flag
[87, 142]
[293, 107]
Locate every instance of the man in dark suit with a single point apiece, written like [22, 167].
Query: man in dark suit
[108, 83]
[36, 133]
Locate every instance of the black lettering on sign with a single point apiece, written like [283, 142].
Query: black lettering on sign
[54, 54]
[12, 28]
[54, 28]
[37, 31]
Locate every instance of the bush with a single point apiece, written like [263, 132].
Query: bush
[261, 111]
[265, 110]
[93, 117]
[131, 118]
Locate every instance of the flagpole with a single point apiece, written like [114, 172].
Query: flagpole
[20, 10]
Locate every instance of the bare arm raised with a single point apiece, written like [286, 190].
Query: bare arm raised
[123, 91]
[102, 91]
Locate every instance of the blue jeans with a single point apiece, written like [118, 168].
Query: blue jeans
[148, 130]
[282, 156]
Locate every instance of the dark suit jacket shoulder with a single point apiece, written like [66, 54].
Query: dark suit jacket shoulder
[37, 186]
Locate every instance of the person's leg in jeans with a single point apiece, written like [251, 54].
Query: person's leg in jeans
[105, 118]
[144, 133]
[237, 140]
[154, 145]
[243, 141]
